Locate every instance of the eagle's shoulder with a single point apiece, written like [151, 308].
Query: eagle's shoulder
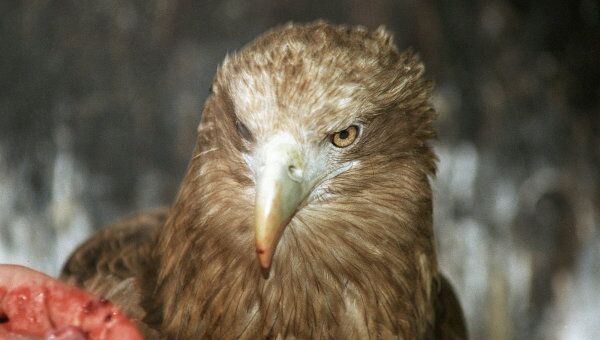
[450, 321]
[110, 263]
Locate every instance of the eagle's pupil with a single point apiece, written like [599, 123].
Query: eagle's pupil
[344, 134]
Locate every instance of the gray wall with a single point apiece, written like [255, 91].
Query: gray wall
[99, 103]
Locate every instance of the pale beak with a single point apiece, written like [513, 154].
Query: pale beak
[280, 188]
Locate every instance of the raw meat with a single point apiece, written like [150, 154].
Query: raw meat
[36, 306]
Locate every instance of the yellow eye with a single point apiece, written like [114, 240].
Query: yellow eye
[345, 137]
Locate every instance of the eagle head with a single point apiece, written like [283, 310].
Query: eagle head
[310, 116]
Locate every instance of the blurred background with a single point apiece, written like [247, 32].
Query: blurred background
[99, 103]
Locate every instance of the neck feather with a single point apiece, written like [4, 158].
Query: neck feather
[350, 269]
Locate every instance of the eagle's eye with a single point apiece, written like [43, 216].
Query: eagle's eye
[344, 138]
[243, 131]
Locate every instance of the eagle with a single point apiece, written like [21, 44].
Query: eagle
[306, 208]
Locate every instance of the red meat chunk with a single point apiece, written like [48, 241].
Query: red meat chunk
[36, 306]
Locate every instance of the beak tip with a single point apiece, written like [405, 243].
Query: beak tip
[264, 258]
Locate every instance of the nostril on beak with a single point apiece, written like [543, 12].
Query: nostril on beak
[295, 173]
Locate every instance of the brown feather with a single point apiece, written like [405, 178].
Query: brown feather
[357, 260]
[109, 264]
[450, 321]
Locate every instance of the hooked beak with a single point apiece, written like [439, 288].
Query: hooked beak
[280, 187]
